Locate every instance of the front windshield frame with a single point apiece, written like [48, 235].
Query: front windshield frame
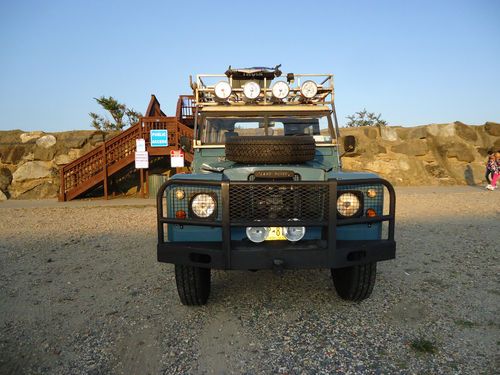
[205, 139]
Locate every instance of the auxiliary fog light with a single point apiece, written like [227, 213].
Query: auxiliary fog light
[257, 234]
[222, 90]
[251, 90]
[280, 90]
[294, 234]
[309, 89]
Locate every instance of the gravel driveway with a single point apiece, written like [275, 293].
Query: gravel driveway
[81, 292]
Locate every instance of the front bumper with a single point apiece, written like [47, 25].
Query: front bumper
[328, 252]
[304, 254]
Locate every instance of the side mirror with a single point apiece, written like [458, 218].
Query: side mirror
[349, 143]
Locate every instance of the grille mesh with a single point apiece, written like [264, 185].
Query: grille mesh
[248, 202]
[275, 201]
[376, 202]
[183, 204]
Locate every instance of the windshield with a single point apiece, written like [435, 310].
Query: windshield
[216, 129]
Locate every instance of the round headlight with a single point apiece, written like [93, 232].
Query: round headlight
[222, 90]
[294, 234]
[203, 205]
[309, 89]
[251, 90]
[280, 90]
[348, 204]
[257, 234]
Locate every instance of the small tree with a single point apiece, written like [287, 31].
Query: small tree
[365, 118]
[122, 116]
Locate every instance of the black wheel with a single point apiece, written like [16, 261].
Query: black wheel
[271, 149]
[193, 284]
[355, 283]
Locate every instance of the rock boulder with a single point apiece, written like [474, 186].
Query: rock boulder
[32, 170]
[412, 147]
[5, 179]
[389, 134]
[492, 128]
[465, 132]
[26, 137]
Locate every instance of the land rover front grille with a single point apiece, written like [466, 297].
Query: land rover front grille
[281, 202]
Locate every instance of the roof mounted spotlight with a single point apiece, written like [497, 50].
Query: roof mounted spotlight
[280, 90]
[251, 90]
[222, 90]
[309, 89]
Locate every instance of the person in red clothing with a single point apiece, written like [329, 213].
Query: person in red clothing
[495, 168]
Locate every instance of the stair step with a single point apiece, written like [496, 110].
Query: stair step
[117, 153]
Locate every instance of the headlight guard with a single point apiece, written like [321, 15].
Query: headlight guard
[350, 204]
[203, 205]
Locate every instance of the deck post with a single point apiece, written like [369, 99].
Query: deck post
[62, 187]
[147, 182]
[105, 171]
[142, 181]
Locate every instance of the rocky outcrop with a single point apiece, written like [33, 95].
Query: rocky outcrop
[5, 179]
[30, 161]
[436, 154]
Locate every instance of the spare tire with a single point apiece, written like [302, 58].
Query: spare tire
[270, 149]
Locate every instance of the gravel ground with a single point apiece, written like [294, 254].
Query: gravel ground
[81, 293]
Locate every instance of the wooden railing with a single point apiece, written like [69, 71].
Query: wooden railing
[186, 109]
[118, 152]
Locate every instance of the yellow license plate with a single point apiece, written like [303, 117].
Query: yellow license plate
[275, 234]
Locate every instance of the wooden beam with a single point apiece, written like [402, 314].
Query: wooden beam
[62, 187]
[105, 171]
[142, 182]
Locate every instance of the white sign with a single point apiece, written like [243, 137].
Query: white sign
[141, 160]
[140, 145]
[176, 158]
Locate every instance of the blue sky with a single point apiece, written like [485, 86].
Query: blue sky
[415, 62]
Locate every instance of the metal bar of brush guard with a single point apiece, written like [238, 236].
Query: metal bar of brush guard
[332, 220]
[226, 223]
[331, 207]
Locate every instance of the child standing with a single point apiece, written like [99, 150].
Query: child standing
[495, 165]
[490, 167]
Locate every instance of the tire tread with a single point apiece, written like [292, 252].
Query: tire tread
[355, 283]
[193, 284]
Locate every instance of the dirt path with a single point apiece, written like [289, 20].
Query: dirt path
[81, 292]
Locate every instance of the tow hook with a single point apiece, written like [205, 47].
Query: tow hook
[278, 267]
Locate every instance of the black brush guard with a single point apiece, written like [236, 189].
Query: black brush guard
[241, 255]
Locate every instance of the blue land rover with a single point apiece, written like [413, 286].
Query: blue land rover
[267, 190]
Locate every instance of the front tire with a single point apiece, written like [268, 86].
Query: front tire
[355, 283]
[193, 284]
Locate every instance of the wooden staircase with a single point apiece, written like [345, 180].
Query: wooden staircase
[95, 167]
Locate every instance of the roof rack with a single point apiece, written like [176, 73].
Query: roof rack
[266, 78]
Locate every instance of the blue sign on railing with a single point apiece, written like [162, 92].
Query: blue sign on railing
[159, 138]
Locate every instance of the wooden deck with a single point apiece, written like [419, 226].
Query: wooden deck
[95, 167]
